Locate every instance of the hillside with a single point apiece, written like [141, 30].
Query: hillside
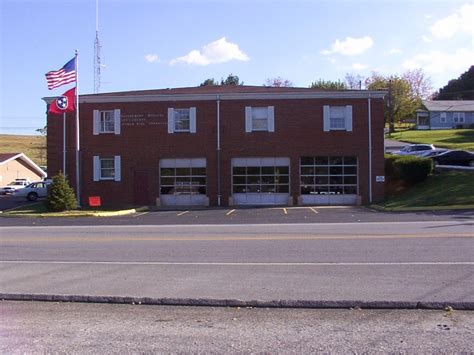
[33, 146]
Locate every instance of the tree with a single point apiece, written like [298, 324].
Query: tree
[209, 82]
[328, 85]
[353, 81]
[421, 86]
[232, 80]
[461, 88]
[43, 131]
[401, 102]
[60, 195]
[278, 82]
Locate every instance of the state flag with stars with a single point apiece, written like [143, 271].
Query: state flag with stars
[64, 103]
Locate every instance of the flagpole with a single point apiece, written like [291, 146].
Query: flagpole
[78, 147]
[64, 143]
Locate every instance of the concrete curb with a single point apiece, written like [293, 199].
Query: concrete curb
[207, 302]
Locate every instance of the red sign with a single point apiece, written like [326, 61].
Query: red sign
[94, 201]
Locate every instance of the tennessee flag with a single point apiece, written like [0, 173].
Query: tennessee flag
[64, 103]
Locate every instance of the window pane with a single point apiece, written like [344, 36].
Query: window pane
[321, 180]
[321, 171]
[335, 170]
[268, 179]
[335, 180]
[350, 180]
[259, 113]
[281, 170]
[239, 189]
[167, 181]
[321, 190]
[166, 190]
[307, 180]
[239, 170]
[282, 189]
[282, 179]
[268, 188]
[239, 180]
[350, 170]
[351, 190]
[307, 161]
[198, 180]
[350, 160]
[253, 188]
[198, 171]
[306, 190]
[335, 161]
[167, 172]
[307, 171]
[259, 124]
[253, 170]
[321, 160]
[183, 180]
[183, 171]
[253, 179]
[335, 190]
[268, 170]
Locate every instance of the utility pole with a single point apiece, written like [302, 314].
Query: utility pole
[391, 124]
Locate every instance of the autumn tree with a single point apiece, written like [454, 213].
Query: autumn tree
[353, 81]
[209, 82]
[232, 80]
[278, 82]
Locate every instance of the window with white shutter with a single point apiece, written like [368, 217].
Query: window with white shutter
[182, 120]
[259, 119]
[105, 122]
[337, 118]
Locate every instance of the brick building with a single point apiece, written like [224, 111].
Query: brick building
[223, 146]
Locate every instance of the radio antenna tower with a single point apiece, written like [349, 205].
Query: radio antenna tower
[97, 46]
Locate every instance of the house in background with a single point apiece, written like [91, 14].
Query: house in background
[445, 114]
[18, 166]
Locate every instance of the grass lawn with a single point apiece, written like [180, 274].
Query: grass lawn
[447, 138]
[451, 189]
[33, 146]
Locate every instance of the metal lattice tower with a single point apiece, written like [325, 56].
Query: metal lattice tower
[97, 46]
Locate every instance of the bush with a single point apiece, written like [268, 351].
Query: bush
[389, 159]
[60, 195]
[411, 168]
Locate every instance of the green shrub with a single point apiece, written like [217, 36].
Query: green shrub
[60, 195]
[411, 168]
[389, 159]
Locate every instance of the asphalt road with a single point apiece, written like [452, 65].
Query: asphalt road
[31, 327]
[429, 261]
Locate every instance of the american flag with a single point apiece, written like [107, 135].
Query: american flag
[65, 75]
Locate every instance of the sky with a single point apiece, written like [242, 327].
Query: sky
[154, 44]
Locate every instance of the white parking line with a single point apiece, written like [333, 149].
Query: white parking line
[285, 211]
[312, 209]
[181, 213]
[230, 212]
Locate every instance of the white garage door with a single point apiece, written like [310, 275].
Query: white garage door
[183, 182]
[260, 181]
[328, 180]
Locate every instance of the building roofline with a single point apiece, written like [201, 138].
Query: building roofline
[30, 162]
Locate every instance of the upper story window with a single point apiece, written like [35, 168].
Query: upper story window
[106, 122]
[259, 119]
[337, 118]
[458, 117]
[182, 120]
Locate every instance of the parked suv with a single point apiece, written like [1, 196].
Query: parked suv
[415, 149]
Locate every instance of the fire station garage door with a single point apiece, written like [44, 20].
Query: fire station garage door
[183, 182]
[260, 181]
[329, 180]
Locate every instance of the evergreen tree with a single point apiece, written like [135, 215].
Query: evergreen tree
[60, 195]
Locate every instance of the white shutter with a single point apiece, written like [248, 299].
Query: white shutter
[248, 119]
[96, 167]
[170, 120]
[192, 120]
[271, 119]
[326, 118]
[117, 121]
[349, 118]
[95, 122]
[118, 168]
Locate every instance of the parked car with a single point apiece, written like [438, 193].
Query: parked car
[454, 157]
[14, 185]
[432, 153]
[414, 149]
[33, 191]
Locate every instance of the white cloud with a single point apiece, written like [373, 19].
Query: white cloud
[461, 21]
[219, 51]
[437, 62]
[350, 46]
[426, 39]
[358, 66]
[395, 51]
[152, 58]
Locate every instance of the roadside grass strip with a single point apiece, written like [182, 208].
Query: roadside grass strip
[40, 210]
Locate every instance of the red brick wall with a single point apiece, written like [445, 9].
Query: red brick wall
[144, 141]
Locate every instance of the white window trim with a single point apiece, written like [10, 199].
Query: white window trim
[249, 119]
[192, 120]
[97, 126]
[97, 171]
[459, 117]
[327, 119]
